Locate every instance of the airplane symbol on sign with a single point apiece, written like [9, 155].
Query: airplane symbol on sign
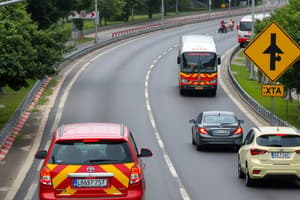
[273, 49]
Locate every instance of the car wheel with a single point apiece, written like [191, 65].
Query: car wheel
[193, 140]
[240, 172]
[200, 147]
[236, 147]
[249, 181]
[181, 92]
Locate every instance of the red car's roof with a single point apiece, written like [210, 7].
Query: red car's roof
[92, 130]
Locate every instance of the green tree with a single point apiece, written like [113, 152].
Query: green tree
[110, 9]
[26, 51]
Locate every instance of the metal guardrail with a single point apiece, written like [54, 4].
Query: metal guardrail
[8, 128]
[10, 124]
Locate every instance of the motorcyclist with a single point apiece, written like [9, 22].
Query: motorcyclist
[222, 25]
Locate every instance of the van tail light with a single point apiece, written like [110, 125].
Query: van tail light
[135, 175]
[202, 131]
[238, 131]
[257, 151]
[45, 177]
[297, 151]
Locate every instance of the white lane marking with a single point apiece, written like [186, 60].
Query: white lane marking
[182, 190]
[30, 193]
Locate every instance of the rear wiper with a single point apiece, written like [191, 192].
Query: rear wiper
[222, 124]
[275, 145]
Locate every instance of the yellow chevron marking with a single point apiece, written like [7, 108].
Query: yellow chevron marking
[69, 191]
[129, 165]
[118, 174]
[112, 190]
[51, 166]
[58, 179]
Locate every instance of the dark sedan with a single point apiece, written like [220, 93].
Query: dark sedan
[217, 127]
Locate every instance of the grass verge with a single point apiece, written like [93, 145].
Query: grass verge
[286, 110]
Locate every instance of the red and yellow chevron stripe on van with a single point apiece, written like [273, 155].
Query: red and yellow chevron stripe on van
[63, 184]
[197, 79]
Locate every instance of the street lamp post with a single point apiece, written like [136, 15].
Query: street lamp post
[229, 7]
[96, 21]
[162, 13]
[209, 8]
[251, 77]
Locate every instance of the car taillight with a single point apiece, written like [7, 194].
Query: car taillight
[135, 175]
[238, 131]
[257, 151]
[45, 177]
[297, 151]
[202, 131]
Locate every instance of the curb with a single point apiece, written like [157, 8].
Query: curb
[8, 143]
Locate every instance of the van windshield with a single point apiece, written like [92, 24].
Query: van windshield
[196, 62]
[245, 26]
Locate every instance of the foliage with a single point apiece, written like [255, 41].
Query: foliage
[27, 52]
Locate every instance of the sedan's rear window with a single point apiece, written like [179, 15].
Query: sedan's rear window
[280, 140]
[219, 119]
[90, 152]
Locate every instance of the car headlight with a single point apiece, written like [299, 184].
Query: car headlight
[213, 81]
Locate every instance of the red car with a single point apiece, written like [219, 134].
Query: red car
[92, 161]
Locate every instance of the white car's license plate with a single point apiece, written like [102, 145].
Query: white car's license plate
[95, 182]
[280, 155]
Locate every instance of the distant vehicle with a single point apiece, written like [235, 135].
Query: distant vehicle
[244, 29]
[92, 161]
[197, 64]
[217, 127]
[269, 151]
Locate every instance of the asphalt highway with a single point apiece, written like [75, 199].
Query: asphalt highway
[135, 82]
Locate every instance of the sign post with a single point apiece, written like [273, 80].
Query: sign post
[273, 51]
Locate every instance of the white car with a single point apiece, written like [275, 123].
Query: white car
[269, 151]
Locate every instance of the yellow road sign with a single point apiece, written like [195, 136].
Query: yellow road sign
[273, 51]
[272, 90]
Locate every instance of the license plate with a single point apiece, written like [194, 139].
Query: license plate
[198, 88]
[280, 155]
[97, 182]
[220, 131]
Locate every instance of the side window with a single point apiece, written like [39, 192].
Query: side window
[199, 118]
[131, 139]
[249, 137]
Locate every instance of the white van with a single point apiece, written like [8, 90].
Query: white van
[198, 64]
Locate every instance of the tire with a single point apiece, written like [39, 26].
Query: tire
[199, 147]
[213, 93]
[193, 140]
[248, 180]
[241, 45]
[236, 147]
[181, 92]
[240, 172]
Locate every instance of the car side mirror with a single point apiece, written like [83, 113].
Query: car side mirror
[178, 60]
[192, 121]
[145, 153]
[219, 60]
[41, 154]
